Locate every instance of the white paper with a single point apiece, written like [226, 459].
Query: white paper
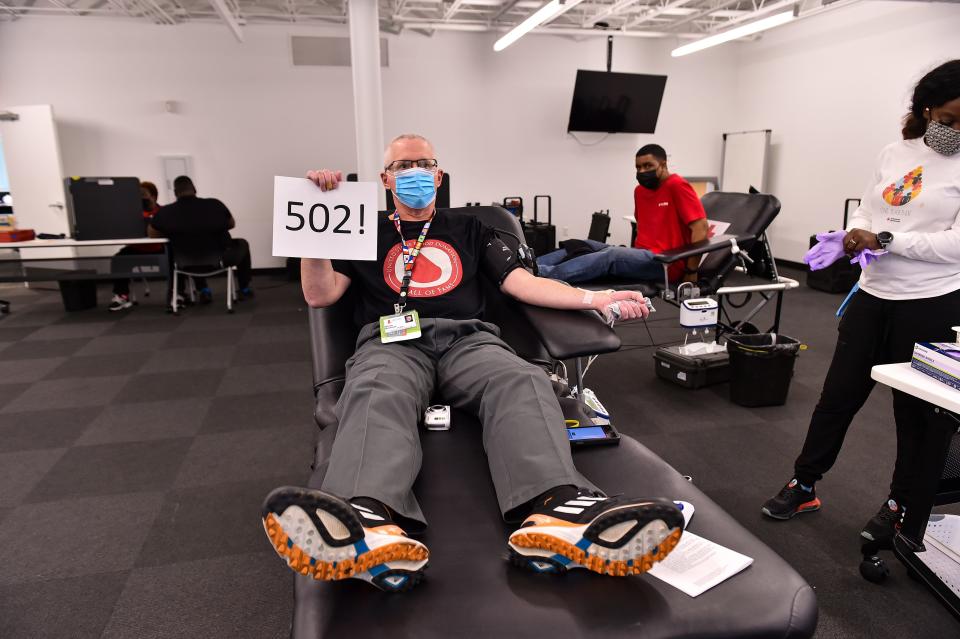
[716, 227]
[697, 565]
[338, 224]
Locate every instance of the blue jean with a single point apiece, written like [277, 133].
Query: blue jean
[618, 261]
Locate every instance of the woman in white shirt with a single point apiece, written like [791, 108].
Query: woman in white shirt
[911, 294]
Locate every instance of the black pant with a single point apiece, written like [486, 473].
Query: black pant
[237, 253]
[876, 331]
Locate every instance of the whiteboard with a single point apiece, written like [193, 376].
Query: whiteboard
[744, 161]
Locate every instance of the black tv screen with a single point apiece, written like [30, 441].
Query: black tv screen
[616, 102]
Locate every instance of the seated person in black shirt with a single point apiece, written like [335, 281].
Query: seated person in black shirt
[199, 225]
[429, 264]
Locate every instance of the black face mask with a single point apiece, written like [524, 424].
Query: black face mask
[147, 204]
[648, 179]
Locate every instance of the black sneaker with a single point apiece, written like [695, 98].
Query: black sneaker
[580, 528]
[885, 523]
[327, 538]
[120, 303]
[790, 501]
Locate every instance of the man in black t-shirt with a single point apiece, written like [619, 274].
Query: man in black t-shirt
[197, 225]
[429, 264]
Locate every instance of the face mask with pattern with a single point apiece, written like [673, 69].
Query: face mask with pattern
[941, 138]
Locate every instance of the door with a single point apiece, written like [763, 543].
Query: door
[34, 168]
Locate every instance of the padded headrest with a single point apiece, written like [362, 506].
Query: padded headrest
[747, 213]
[495, 217]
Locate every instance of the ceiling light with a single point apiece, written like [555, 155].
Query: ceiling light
[738, 32]
[547, 12]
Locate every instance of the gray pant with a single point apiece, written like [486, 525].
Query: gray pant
[377, 450]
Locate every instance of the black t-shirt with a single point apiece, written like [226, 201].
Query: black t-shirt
[194, 224]
[445, 281]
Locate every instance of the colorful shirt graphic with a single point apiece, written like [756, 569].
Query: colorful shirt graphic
[906, 189]
[437, 270]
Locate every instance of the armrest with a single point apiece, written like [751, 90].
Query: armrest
[714, 243]
[569, 334]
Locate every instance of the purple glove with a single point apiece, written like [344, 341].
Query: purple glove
[866, 256]
[825, 252]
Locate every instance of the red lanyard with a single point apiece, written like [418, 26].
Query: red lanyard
[409, 258]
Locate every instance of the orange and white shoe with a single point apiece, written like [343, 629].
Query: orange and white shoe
[579, 528]
[328, 538]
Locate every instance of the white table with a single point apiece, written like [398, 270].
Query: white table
[937, 564]
[72, 243]
[911, 381]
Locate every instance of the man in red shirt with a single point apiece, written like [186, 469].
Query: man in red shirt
[669, 213]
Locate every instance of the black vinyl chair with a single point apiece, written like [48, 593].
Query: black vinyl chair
[742, 248]
[470, 590]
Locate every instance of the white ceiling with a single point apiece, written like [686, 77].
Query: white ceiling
[638, 18]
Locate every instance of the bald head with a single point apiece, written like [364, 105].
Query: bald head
[409, 146]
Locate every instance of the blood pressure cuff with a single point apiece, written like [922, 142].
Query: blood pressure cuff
[498, 259]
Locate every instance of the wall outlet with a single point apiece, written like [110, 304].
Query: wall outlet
[566, 231]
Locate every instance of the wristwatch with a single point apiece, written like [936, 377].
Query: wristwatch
[884, 238]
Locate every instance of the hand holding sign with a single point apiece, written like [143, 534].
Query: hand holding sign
[336, 221]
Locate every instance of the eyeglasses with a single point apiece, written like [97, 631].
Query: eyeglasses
[403, 165]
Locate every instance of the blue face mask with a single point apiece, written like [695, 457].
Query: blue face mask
[415, 188]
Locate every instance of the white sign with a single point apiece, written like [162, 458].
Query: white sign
[340, 224]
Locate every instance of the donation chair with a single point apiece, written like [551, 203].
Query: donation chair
[200, 264]
[742, 248]
[470, 590]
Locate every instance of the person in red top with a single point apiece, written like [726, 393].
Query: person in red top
[669, 215]
[121, 287]
[668, 212]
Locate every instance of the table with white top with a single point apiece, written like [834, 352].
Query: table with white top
[929, 545]
[69, 260]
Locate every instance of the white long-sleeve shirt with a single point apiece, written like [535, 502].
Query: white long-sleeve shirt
[915, 194]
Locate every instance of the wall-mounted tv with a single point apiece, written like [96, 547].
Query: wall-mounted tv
[616, 102]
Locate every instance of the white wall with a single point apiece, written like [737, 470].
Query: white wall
[834, 89]
[246, 114]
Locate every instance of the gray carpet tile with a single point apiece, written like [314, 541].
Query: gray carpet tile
[74, 392]
[205, 338]
[196, 523]
[110, 469]
[240, 596]
[109, 365]
[137, 323]
[213, 318]
[44, 428]
[258, 378]
[9, 334]
[276, 333]
[147, 421]
[28, 370]
[271, 353]
[10, 392]
[68, 331]
[20, 471]
[122, 344]
[75, 537]
[260, 411]
[170, 385]
[282, 318]
[26, 349]
[247, 454]
[184, 359]
[73, 608]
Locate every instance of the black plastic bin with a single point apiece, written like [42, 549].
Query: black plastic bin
[78, 295]
[760, 368]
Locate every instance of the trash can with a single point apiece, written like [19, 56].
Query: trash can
[760, 368]
[78, 295]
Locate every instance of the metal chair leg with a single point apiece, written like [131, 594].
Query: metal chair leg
[230, 290]
[173, 292]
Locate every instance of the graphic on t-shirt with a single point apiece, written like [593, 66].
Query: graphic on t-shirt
[905, 190]
[436, 271]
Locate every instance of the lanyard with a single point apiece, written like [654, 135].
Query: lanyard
[409, 258]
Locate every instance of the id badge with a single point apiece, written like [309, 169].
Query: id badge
[399, 327]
